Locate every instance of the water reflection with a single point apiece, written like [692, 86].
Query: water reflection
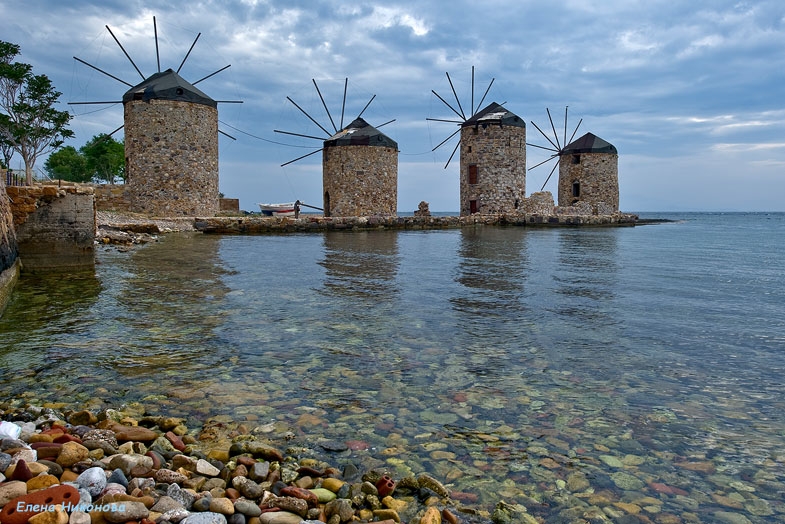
[361, 290]
[178, 283]
[493, 266]
[361, 265]
[491, 273]
[587, 265]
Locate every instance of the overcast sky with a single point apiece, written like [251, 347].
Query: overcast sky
[692, 94]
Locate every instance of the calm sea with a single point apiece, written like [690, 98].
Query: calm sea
[571, 370]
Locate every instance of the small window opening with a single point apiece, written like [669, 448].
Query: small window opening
[473, 174]
[576, 159]
[576, 189]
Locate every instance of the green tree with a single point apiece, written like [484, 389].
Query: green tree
[105, 158]
[68, 164]
[29, 121]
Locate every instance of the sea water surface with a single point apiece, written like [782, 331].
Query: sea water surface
[632, 372]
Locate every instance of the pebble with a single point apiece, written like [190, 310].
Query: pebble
[140, 478]
[206, 469]
[204, 518]
[167, 476]
[117, 477]
[323, 495]
[166, 503]
[202, 504]
[181, 496]
[126, 512]
[93, 480]
[10, 490]
[79, 517]
[21, 471]
[222, 505]
[58, 516]
[248, 508]
[247, 487]
[71, 453]
[5, 461]
[280, 517]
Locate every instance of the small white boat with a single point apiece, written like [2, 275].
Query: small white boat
[278, 210]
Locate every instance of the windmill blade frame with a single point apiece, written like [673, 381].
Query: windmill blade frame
[459, 112]
[558, 148]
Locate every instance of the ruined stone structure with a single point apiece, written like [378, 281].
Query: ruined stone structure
[171, 148]
[360, 172]
[589, 177]
[493, 162]
[539, 203]
[423, 209]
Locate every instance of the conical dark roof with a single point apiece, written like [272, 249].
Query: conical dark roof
[360, 133]
[495, 114]
[168, 85]
[589, 143]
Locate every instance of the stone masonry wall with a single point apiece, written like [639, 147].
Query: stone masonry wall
[8, 246]
[112, 197]
[55, 226]
[499, 152]
[360, 181]
[598, 176]
[171, 151]
[9, 252]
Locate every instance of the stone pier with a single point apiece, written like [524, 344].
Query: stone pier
[261, 225]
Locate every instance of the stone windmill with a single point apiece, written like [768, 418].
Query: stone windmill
[171, 142]
[588, 170]
[359, 165]
[492, 158]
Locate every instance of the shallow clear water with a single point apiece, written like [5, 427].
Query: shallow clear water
[571, 367]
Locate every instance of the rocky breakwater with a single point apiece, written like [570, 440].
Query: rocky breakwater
[258, 224]
[82, 468]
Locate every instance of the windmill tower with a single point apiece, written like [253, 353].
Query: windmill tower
[171, 143]
[589, 173]
[359, 166]
[588, 170]
[492, 158]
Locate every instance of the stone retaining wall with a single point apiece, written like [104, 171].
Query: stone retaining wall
[55, 226]
[9, 252]
[259, 225]
[112, 197]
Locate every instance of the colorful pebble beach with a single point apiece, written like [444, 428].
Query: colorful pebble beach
[62, 468]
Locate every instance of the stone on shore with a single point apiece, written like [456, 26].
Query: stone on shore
[126, 512]
[280, 517]
[204, 518]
